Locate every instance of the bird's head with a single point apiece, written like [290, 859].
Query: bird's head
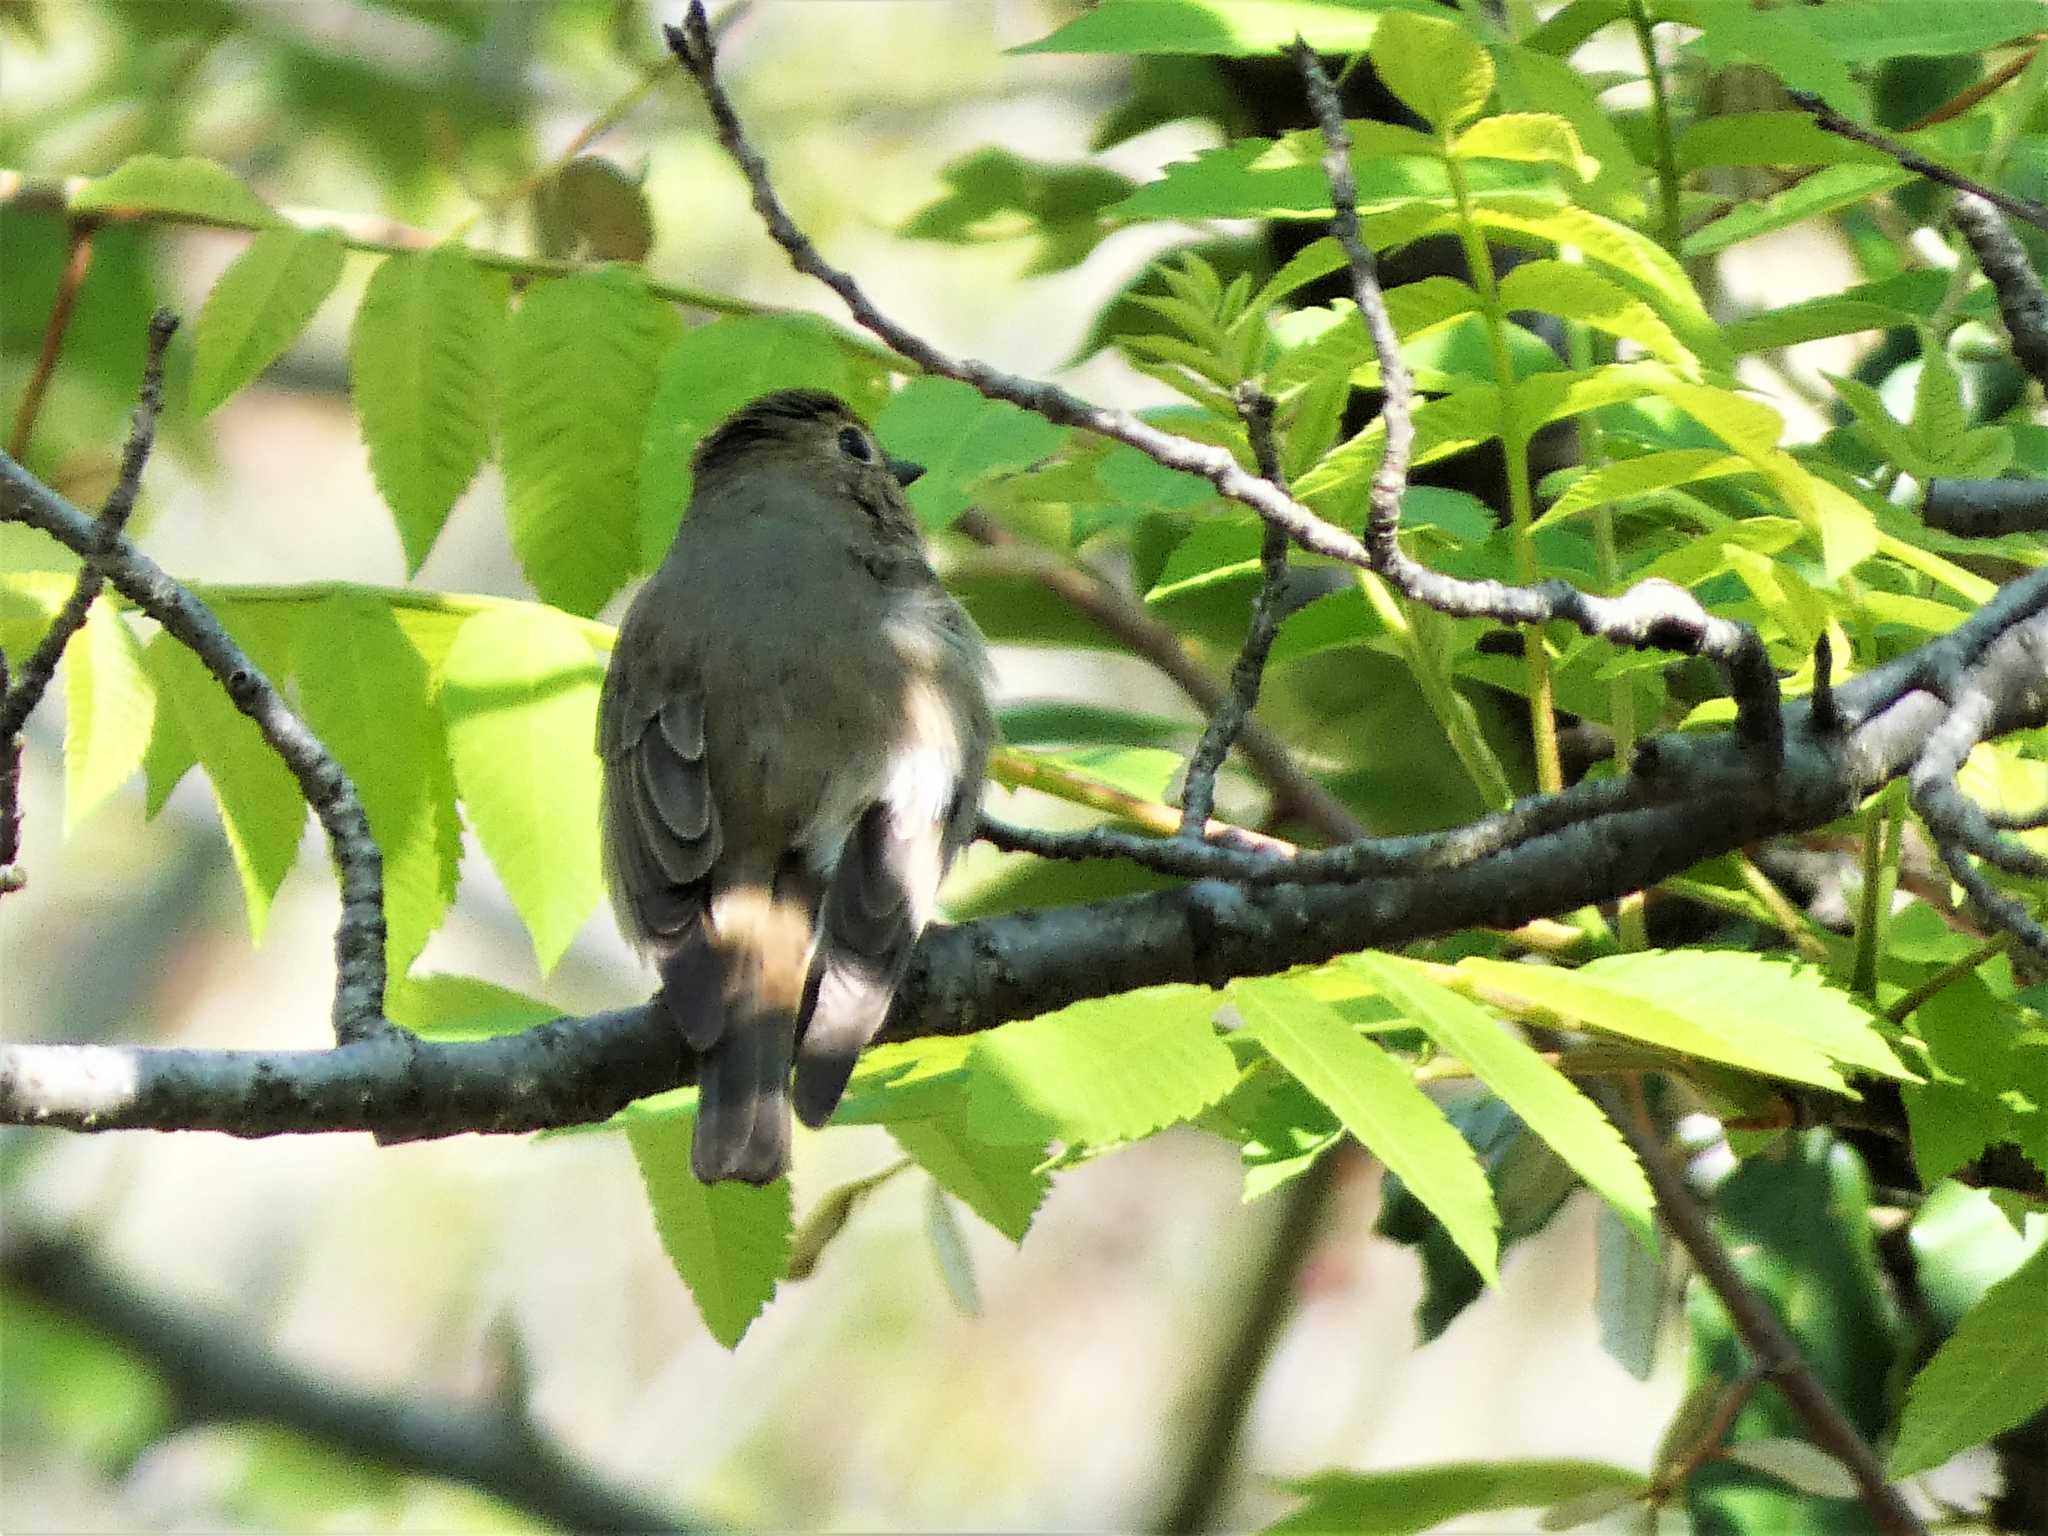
[816, 439]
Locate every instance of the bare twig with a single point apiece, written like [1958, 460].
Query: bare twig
[1833, 122]
[1198, 798]
[1296, 792]
[1770, 1346]
[12, 877]
[20, 701]
[359, 936]
[216, 1372]
[71, 278]
[2003, 260]
[1651, 615]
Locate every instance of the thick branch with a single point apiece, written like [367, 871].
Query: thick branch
[218, 1373]
[1711, 794]
[1762, 1334]
[359, 937]
[1987, 509]
[2003, 260]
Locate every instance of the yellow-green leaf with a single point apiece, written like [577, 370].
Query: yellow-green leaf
[258, 308]
[1434, 67]
[109, 709]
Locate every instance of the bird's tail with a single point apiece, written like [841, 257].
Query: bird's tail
[733, 986]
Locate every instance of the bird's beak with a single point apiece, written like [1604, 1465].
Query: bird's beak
[906, 473]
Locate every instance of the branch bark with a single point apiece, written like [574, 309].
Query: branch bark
[217, 1372]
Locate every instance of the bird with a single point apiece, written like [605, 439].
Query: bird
[793, 730]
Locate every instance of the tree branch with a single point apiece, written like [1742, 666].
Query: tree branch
[1987, 509]
[77, 261]
[1833, 122]
[1230, 713]
[359, 937]
[216, 1372]
[2003, 260]
[1770, 1346]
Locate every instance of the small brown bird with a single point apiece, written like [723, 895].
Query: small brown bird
[794, 728]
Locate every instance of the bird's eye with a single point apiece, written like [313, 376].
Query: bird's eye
[853, 445]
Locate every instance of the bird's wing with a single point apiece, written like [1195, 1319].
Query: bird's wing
[875, 906]
[661, 829]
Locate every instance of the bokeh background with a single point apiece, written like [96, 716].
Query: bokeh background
[867, 1397]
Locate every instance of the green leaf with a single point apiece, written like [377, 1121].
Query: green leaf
[1894, 301]
[950, 1251]
[187, 186]
[1434, 67]
[423, 372]
[1228, 27]
[1668, 1018]
[1837, 186]
[1548, 1102]
[729, 1241]
[1864, 34]
[1533, 81]
[580, 375]
[519, 697]
[1414, 1499]
[1001, 1184]
[1767, 138]
[258, 308]
[959, 436]
[1990, 1375]
[1572, 292]
[1785, 42]
[997, 195]
[711, 372]
[1374, 1094]
[1108, 1070]
[1539, 137]
[445, 1007]
[260, 806]
[367, 693]
[1637, 477]
[109, 709]
[1796, 1463]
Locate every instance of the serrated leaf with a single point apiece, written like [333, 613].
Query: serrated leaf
[1880, 428]
[1414, 1499]
[446, 1007]
[519, 698]
[1797, 1464]
[1825, 191]
[580, 372]
[711, 372]
[729, 1241]
[1375, 1096]
[1637, 477]
[1108, 1070]
[423, 373]
[959, 436]
[995, 194]
[1572, 292]
[186, 185]
[260, 806]
[1534, 81]
[257, 309]
[1550, 1105]
[109, 711]
[1434, 67]
[1003, 1185]
[1229, 27]
[368, 694]
[1538, 137]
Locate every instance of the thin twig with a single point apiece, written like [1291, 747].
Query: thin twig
[12, 876]
[1973, 93]
[20, 700]
[1296, 792]
[215, 1372]
[1198, 798]
[359, 936]
[1833, 122]
[1770, 1346]
[1902, 1007]
[77, 259]
[1651, 615]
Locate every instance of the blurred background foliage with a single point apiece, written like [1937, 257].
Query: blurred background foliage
[920, 1372]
